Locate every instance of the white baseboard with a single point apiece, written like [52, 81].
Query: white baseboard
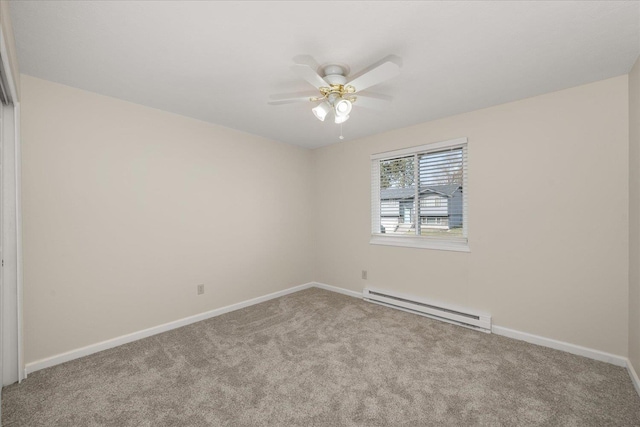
[561, 345]
[124, 339]
[634, 376]
[337, 289]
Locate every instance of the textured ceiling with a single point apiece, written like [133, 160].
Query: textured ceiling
[220, 61]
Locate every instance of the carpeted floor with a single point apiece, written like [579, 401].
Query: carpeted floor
[317, 358]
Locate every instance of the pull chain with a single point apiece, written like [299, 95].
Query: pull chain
[341, 137]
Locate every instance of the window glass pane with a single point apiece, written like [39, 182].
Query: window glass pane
[397, 194]
[441, 179]
[397, 173]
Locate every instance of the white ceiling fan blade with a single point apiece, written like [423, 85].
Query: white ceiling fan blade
[306, 60]
[307, 73]
[382, 72]
[288, 101]
[289, 98]
[374, 102]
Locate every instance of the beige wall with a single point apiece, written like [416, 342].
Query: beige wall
[127, 209]
[634, 216]
[548, 217]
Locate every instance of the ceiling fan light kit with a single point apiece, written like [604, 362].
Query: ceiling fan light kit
[337, 92]
[335, 96]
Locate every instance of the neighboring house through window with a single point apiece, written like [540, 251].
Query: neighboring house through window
[419, 196]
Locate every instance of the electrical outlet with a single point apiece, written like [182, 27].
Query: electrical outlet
[200, 289]
[364, 274]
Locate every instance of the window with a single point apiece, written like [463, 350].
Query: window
[419, 196]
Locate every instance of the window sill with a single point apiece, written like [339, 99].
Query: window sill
[419, 242]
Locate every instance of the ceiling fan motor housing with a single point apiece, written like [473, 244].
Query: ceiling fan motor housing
[335, 74]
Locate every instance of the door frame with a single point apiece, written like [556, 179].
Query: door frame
[11, 351]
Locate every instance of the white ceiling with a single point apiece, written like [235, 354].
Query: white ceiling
[220, 61]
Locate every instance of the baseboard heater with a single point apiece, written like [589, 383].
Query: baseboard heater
[449, 314]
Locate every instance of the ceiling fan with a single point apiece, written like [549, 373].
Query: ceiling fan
[338, 92]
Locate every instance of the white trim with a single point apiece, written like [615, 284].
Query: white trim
[10, 339]
[124, 339]
[2, 285]
[19, 273]
[452, 143]
[11, 81]
[419, 242]
[634, 376]
[337, 289]
[561, 345]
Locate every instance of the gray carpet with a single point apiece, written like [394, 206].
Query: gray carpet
[317, 358]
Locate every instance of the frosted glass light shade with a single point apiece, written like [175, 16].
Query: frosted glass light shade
[321, 111]
[342, 107]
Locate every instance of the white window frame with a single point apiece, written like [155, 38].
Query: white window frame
[409, 241]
